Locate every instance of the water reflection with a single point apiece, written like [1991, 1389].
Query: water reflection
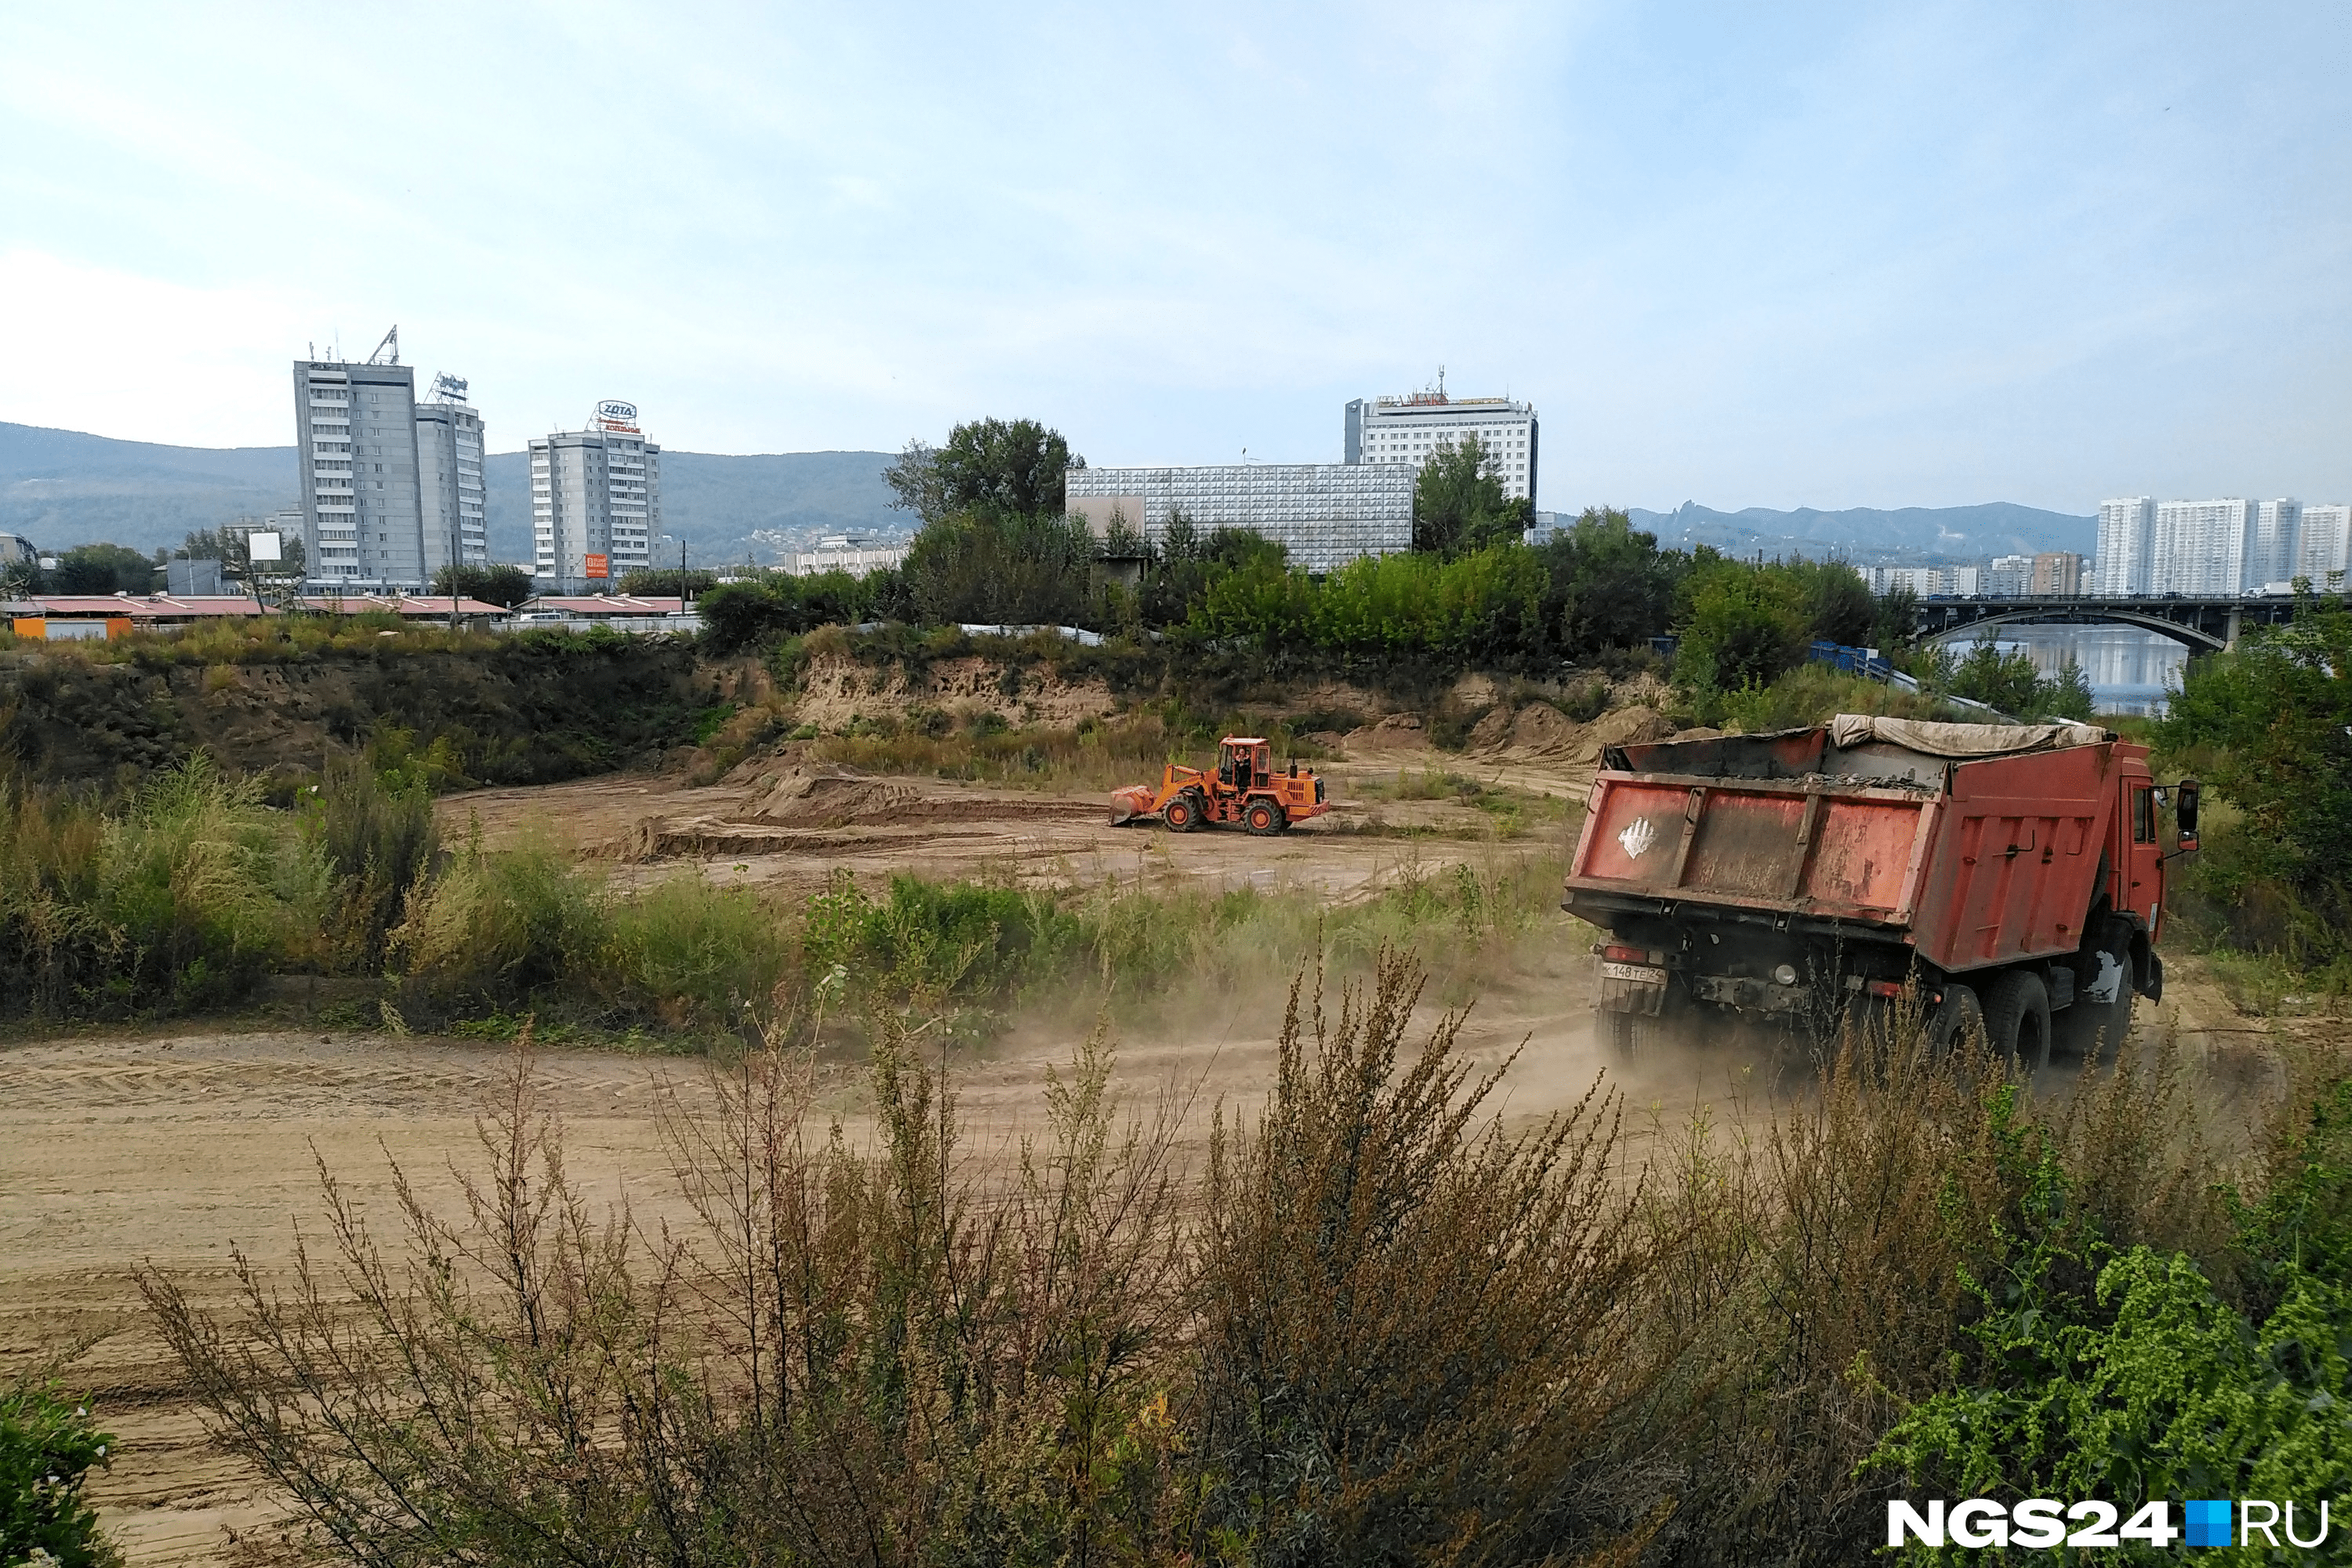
[2130, 670]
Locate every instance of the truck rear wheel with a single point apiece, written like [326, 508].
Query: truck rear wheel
[1265, 816]
[1627, 1034]
[2017, 1019]
[1960, 1016]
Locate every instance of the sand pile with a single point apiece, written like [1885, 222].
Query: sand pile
[805, 793]
[1397, 733]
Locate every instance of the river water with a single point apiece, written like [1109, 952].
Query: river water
[2130, 670]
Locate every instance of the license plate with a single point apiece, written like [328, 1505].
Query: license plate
[1639, 974]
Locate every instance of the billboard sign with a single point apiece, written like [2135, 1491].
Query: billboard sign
[599, 566]
[262, 545]
[616, 416]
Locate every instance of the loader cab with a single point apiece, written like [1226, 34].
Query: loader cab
[1243, 763]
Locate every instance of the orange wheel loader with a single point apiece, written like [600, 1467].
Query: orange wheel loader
[1244, 789]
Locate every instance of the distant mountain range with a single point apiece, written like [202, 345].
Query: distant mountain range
[60, 487]
[1911, 534]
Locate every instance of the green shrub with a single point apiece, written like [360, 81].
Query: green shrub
[49, 1445]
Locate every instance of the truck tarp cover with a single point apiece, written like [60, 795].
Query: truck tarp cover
[1960, 742]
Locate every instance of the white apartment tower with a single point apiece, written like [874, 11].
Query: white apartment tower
[2126, 533]
[2278, 527]
[595, 501]
[355, 432]
[2201, 548]
[1409, 429]
[2326, 544]
[449, 477]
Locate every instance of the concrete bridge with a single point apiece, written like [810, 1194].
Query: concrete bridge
[2204, 624]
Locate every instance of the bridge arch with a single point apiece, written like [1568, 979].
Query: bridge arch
[2195, 640]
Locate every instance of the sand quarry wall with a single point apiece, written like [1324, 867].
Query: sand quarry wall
[525, 712]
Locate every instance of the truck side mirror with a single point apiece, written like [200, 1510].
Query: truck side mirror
[2185, 813]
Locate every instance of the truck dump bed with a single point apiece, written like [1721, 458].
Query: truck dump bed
[1975, 844]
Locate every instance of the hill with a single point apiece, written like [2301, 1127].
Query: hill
[62, 488]
[1871, 535]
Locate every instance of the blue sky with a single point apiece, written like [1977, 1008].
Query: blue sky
[1832, 255]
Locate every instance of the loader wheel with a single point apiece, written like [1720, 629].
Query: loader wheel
[1265, 817]
[1184, 813]
[2017, 1019]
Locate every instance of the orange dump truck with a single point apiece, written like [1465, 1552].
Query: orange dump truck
[2014, 874]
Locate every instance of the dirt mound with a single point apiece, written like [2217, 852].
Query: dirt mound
[1491, 731]
[807, 793]
[1628, 726]
[1397, 733]
[1540, 729]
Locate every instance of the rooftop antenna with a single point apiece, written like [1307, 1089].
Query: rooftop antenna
[1441, 381]
[388, 351]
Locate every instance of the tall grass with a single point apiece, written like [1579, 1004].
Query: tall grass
[1383, 1329]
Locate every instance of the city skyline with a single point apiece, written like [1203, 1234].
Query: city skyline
[1782, 259]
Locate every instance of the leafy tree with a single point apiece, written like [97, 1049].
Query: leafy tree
[2274, 713]
[1897, 631]
[1179, 571]
[1001, 568]
[1743, 626]
[1007, 467]
[1838, 600]
[1609, 586]
[669, 580]
[503, 586]
[1458, 504]
[2066, 695]
[2004, 681]
[103, 568]
[757, 614]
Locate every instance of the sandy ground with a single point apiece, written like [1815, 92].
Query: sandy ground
[163, 1150]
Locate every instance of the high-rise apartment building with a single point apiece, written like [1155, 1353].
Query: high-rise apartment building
[355, 432]
[449, 477]
[2126, 534]
[2277, 532]
[1407, 430]
[595, 501]
[2200, 548]
[2056, 573]
[2326, 544]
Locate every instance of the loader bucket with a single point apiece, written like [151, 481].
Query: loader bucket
[1126, 804]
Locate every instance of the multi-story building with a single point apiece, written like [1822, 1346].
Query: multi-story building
[855, 553]
[2057, 571]
[1324, 514]
[2201, 548]
[355, 432]
[2326, 545]
[2126, 533]
[1923, 580]
[1405, 431]
[2009, 576]
[2271, 556]
[595, 501]
[449, 477]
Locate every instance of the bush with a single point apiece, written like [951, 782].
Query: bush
[1743, 626]
[49, 1445]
